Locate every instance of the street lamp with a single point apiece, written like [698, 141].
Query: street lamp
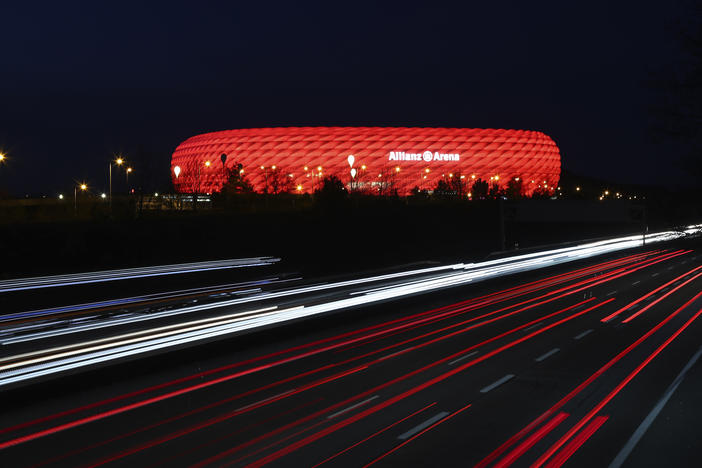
[83, 187]
[128, 171]
[2, 157]
[119, 161]
[197, 191]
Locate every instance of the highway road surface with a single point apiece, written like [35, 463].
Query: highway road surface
[535, 361]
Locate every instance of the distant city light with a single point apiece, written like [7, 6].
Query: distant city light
[577, 189]
[83, 186]
[156, 194]
[60, 196]
[102, 195]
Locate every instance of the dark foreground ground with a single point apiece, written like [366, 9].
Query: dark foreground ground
[312, 240]
[518, 370]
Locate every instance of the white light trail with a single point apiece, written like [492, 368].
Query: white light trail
[38, 282]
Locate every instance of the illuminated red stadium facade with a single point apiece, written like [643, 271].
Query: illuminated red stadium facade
[370, 159]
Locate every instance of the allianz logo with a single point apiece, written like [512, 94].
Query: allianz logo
[426, 156]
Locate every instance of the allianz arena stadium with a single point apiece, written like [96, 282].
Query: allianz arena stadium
[369, 159]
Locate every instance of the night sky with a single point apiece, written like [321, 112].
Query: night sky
[81, 82]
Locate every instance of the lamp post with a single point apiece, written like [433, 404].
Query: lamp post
[223, 158]
[2, 158]
[83, 187]
[197, 190]
[176, 171]
[128, 171]
[119, 162]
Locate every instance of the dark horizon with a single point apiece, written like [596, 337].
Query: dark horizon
[82, 83]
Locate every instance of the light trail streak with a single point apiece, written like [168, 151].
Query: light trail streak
[39, 282]
[598, 407]
[306, 441]
[645, 296]
[475, 272]
[429, 285]
[498, 296]
[512, 440]
[139, 404]
[142, 300]
[652, 303]
[394, 449]
[249, 322]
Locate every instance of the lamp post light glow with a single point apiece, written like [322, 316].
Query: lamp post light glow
[83, 187]
[2, 157]
[119, 161]
[128, 171]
